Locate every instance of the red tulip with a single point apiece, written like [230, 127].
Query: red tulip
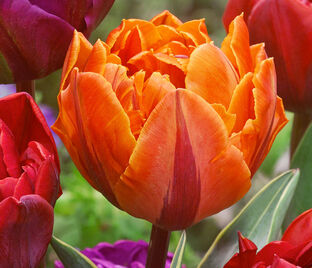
[29, 182]
[294, 249]
[286, 28]
[34, 35]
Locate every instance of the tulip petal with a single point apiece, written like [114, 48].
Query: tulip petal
[27, 55]
[156, 87]
[149, 37]
[168, 34]
[236, 7]
[95, 130]
[166, 18]
[158, 62]
[96, 14]
[258, 55]
[123, 87]
[170, 178]
[227, 117]
[24, 186]
[242, 102]
[7, 186]
[304, 258]
[246, 256]
[77, 55]
[27, 123]
[9, 151]
[281, 263]
[288, 40]
[236, 46]
[300, 230]
[211, 75]
[275, 248]
[47, 182]
[25, 231]
[97, 59]
[197, 29]
[258, 134]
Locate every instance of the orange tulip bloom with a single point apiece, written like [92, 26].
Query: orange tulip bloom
[166, 125]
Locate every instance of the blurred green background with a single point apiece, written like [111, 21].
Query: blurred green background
[83, 217]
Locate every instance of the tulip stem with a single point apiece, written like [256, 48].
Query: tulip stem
[158, 248]
[300, 124]
[26, 86]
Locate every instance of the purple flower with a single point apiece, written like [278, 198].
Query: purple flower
[35, 34]
[122, 254]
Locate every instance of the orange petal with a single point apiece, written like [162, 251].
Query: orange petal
[258, 55]
[237, 44]
[257, 133]
[77, 55]
[132, 46]
[95, 130]
[166, 18]
[116, 75]
[155, 88]
[168, 34]
[158, 62]
[197, 29]
[211, 75]
[227, 117]
[280, 120]
[171, 168]
[97, 59]
[148, 34]
[242, 103]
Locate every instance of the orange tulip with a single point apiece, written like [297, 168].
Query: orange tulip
[170, 155]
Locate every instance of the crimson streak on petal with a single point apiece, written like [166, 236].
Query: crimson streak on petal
[185, 185]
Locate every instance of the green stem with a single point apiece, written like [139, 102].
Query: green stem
[26, 86]
[158, 248]
[300, 124]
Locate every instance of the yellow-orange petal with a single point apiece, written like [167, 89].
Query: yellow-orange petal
[197, 29]
[172, 162]
[95, 130]
[236, 46]
[77, 55]
[166, 18]
[155, 88]
[211, 75]
[97, 59]
[242, 103]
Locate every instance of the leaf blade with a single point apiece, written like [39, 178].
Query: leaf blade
[271, 203]
[178, 254]
[69, 256]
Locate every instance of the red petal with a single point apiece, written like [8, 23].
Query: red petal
[300, 230]
[25, 231]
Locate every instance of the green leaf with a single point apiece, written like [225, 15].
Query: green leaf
[69, 256]
[260, 220]
[178, 254]
[302, 159]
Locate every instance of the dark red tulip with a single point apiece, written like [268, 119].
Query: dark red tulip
[286, 28]
[29, 182]
[35, 34]
[293, 251]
